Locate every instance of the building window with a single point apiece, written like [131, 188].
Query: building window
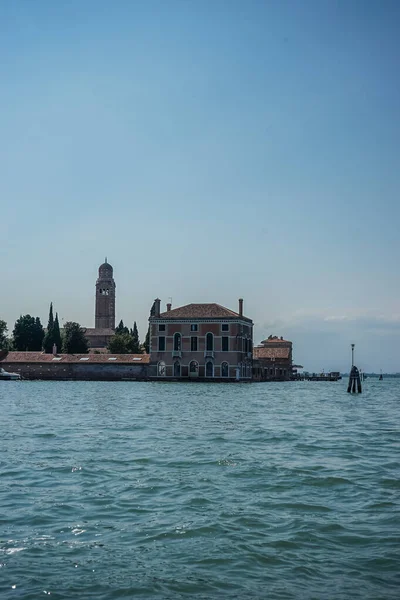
[193, 344]
[194, 327]
[161, 369]
[193, 367]
[209, 369]
[161, 343]
[225, 327]
[225, 344]
[177, 368]
[224, 369]
[177, 342]
[209, 342]
[161, 327]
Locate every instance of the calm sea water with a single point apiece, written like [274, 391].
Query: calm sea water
[150, 490]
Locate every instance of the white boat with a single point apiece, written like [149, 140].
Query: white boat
[8, 376]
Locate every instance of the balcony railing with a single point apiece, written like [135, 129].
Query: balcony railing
[176, 353]
[208, 353]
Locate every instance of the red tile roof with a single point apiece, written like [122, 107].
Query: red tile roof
[40, 357]
[268, 353]
[275, 339]
[98, 350]
[201, 311]
[94, 331]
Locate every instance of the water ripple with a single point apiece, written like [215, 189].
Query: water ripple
[119, 490]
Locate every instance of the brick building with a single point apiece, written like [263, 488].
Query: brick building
[272, 360]
[201, 341]
[92, 367]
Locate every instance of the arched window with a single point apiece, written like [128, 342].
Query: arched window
[209, 368]
[161, 369]
[193, 367]
[209, 342]
[177, 342]
[224, 369]
[177, 368]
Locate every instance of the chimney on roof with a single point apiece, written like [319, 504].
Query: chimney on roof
[157, 304]
[241, 307]
[169, 306]
[54, 350]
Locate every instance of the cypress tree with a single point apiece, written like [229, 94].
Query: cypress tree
[48, 340]
[147, 341]
[120, 327]
[135, 340]
[57, 334]
[51, 318]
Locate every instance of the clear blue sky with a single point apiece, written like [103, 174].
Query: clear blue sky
[212, 150]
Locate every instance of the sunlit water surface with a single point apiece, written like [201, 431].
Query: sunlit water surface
[150, 490]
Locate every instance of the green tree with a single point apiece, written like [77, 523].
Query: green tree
[121, 343]
[48, 339]
[146, 344]
[28, 334]
[3, 336]
[74, 341]
[121, 328]
[136, 348]
[57, 334]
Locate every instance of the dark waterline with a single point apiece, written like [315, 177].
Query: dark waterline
[119, 490]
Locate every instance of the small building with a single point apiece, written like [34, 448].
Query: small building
[93, 367]
[201, 342]
[272, 360]
[98, 338]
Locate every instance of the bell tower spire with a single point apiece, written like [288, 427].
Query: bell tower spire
[105, 298]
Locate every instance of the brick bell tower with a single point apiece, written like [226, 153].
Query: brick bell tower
[105, 298]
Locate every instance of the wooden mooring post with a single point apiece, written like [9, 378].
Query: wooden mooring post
[354, 386]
